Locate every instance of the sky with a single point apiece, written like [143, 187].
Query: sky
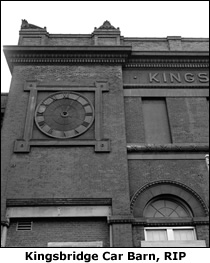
[134, 18]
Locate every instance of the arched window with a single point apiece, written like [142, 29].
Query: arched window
[165, 211]
[166, 207]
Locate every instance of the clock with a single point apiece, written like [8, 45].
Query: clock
[64, 115]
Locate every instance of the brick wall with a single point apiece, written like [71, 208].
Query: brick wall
[59, 230]
[67, 172]
[134, 120]
[122, 235]
[192, 173]
[138, 235]
[69, 41]
[202, 232]
[188, 118]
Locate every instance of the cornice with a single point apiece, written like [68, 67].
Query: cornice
[66, 55]
[103, 55]
[135, 147]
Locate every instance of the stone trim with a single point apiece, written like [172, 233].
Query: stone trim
[166, 92]
[120, 219]
[100, 144]
[165, 156]
[171, 222]
[166, 65]
[76, 244]
[162, 182]
[58, 201]
[165, 86]
[194, 147]
[58, 211]
[158, 222]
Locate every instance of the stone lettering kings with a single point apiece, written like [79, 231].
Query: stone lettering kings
[174, 78]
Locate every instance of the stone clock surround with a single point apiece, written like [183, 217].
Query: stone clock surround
[101, 144]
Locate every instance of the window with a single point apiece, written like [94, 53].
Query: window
[156, 122]
[167, 207]
[169, 233]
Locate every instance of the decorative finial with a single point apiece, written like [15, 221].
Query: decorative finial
[106, 25]
[26, 25]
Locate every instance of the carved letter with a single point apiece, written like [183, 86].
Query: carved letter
[203, 77]
[189, 77]
[177, 78]
[164, 77]
[153, 77]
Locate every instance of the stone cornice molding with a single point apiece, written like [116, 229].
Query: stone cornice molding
[66, 55]
[166, 65]
[103, 54]
[177, 62]
[195, 147]
[162, 182]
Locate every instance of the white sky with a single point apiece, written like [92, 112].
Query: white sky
[134, 18]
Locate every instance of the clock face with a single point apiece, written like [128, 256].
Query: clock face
[64, 115]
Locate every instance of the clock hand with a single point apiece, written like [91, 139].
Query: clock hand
[67, 108]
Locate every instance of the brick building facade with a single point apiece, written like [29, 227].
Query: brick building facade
[104, 140]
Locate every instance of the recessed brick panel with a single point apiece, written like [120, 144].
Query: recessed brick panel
[59, 230]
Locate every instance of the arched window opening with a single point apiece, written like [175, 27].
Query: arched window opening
[167, 207]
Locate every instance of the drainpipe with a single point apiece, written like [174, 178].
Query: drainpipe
[207, 161]
[111, 235]
[5, 225]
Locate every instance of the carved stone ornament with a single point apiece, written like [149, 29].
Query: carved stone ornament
[26, 25]
[107, 25]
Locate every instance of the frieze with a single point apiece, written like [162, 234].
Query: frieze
[168, 147]
[166, 76]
